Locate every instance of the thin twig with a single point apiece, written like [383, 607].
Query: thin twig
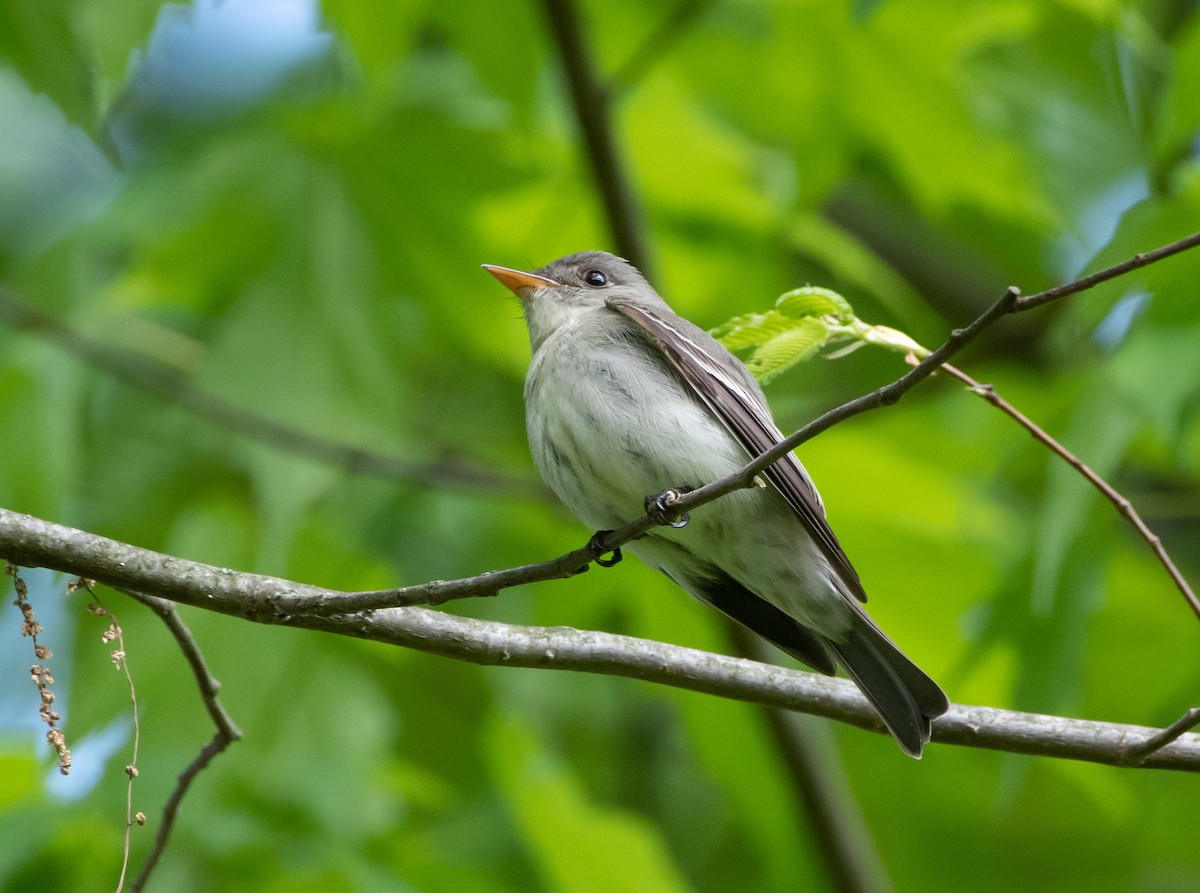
[592, 112]
[114, 633]
[172, 386]
[32, 542]
[1011, 302]
[1123, 505]
[226, 732]
[1094, 279]
[1136, 756]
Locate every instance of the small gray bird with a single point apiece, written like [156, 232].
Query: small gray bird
[624, 400]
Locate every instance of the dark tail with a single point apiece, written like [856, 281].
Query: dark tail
[905, 697]
[760, 616]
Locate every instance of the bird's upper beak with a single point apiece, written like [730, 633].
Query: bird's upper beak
[518, 282]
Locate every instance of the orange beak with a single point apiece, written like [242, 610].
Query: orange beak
[518, 282]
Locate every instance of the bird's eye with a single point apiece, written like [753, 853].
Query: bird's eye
[595, 278]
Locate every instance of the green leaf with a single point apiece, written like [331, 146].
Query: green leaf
[751, 329]
[39, 40]
[783, 351]
[814, 301]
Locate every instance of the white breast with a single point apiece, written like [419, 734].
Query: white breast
[609, 423]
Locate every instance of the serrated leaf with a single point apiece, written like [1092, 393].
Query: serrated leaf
[811, 301]
[752, 329]
[783, 351]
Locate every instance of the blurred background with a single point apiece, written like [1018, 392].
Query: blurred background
[241, 239]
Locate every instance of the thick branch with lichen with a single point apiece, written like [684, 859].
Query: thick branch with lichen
[33, 542]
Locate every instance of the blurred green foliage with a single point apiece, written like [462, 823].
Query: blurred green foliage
[312, 256]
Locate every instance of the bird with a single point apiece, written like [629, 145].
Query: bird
[625, 399]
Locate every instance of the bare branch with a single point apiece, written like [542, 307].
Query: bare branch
[112, 634]
[1123, 505]
[492, 582]
[30, 541]
[1094, 279]
[169, 384]
[210, 687]
[593, 114]
[226, 730]
[1011, 302]
[1137, 754]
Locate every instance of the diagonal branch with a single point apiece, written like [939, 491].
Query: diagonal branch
[226, 732]
[593, 113]
[30, 541]
[171, 385]
[492, 582]
[1122, 504]
[1011, 302]
[1093, 279]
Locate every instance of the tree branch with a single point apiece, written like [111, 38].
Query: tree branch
[30, 541]
[1122, 505]
[592, 111]
[492, 582]
[1011, 302]
[1093, 279]
[172, 386]
[226, 732]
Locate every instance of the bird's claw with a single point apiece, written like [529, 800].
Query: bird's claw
[661, 510]
[597, 550]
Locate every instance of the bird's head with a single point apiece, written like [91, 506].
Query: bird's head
[570, 287]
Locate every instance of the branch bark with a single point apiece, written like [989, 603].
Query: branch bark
[30, 541]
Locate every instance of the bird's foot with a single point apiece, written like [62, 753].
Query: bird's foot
[598, 550]
[661, 509]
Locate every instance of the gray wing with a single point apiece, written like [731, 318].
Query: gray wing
[724, 384]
